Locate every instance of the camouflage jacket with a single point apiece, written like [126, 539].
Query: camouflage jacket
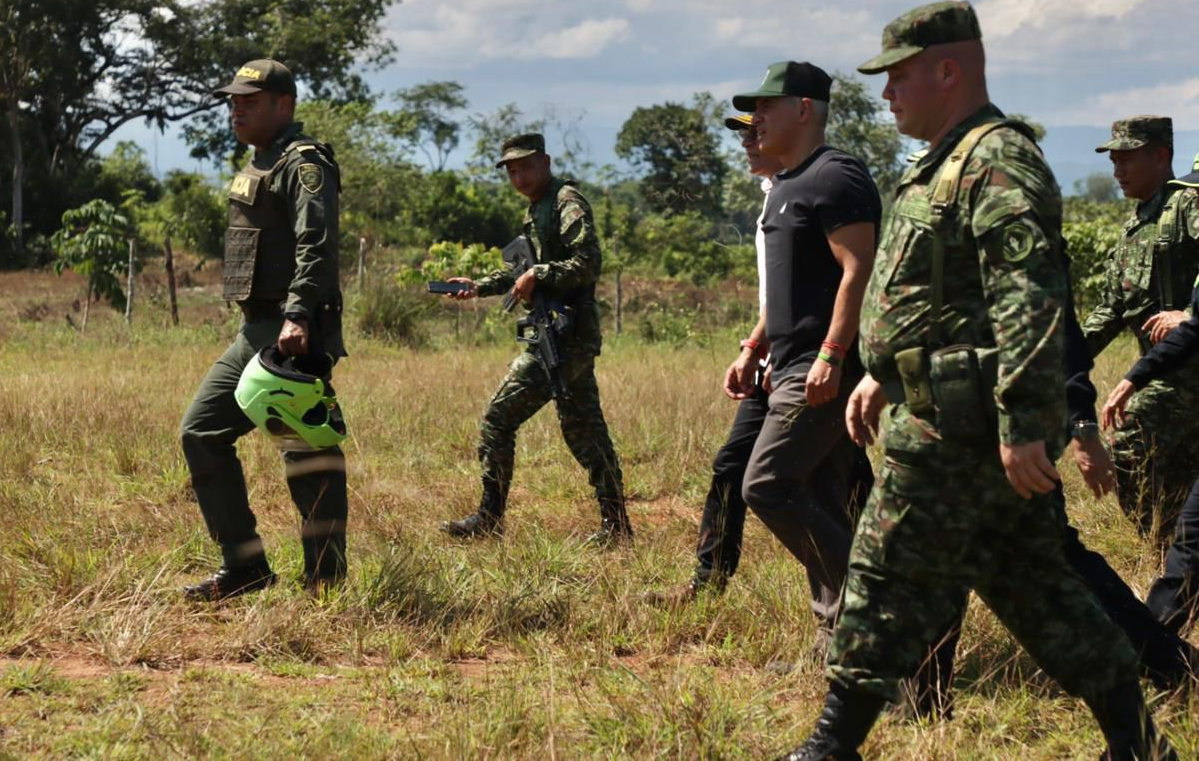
[1005, 283]
[1151, 270]
[563, 234]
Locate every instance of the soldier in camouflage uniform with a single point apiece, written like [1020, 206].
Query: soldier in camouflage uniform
[1147, 284]
[559, 224]
[961, 333]
[281, 271]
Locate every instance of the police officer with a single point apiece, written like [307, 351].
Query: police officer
[964, 309]
[559, 224]
[1147, 282]
[281, 270]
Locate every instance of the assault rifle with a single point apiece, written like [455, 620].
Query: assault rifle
[547, 318]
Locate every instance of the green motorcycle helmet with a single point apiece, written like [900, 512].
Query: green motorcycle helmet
[288, 404]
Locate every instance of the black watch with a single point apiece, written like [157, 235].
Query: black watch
[1085, 430]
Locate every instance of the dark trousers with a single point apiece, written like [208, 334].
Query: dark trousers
[316, 479]
[718, 550]
[1163, 654]
[797, 481]
[1174, 598]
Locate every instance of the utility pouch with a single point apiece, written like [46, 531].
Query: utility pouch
[913, 373]
[965, 403]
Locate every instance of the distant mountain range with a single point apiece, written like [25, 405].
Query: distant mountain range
[1071, 153]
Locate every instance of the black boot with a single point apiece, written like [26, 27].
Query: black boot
[843, 725]
[615, 527]
[230, 582]
[1128, 727]
[488, 520]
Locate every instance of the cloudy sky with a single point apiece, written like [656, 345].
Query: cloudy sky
[1073, 65]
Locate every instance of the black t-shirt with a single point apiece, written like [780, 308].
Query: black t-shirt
[829, 190]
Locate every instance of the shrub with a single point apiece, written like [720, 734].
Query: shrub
[393, 312]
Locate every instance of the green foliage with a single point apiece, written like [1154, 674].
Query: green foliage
[689, 245]
[1099, 187]
[453, 259]
[393, 313]
[1091, 232]
[191, 211]
[490, 131]
[859, 124]
[93, 242]
[677, 149]
[430, 106]
[449, 206]
[1038, 129]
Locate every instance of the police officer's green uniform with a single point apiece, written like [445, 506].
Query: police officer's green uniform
[964, 313]
[281, 259]
[1151, 271]
[562, 232]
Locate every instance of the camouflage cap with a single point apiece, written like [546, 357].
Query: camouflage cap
[739, 122]
[1191, 180]
[802, 80]
[923, 27]
[262, 74]
[520, 146]
[1137, 131]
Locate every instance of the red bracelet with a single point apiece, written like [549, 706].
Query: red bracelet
[835, 347]
[749, 343]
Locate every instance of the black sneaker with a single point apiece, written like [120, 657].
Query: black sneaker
[231, 582]
[475, 525]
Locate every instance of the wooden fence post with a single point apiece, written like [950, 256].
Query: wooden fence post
[170, 262]
[129, 295]
[361, 263]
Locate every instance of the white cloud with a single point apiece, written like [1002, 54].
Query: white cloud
[584, 40]
[1178, 100]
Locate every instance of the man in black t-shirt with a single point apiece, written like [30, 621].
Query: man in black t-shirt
[820, 223]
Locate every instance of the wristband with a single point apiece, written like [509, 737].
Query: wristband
[830, 359]
[749, 343]
[1085, 430]
[835, 348]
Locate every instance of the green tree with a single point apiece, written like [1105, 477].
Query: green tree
[429, 107]
[1099, 187]
[859, 124]
[677, 150]
[191, 211]
[1038, 129]
[490, 130]
[93, 242]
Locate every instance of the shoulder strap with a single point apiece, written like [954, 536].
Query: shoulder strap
[944, 205]
[1167, 225]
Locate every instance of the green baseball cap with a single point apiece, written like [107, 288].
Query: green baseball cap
[1137, 131]
[802, 80]
[739, 122]
[520, 146]
[920, 28]
[1191, 180]
[262, 74]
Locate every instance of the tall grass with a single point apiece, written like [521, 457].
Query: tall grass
[533, 646]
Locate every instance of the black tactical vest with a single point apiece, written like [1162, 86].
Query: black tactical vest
[260, 244]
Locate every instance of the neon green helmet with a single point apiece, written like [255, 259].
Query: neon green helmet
[288, 404]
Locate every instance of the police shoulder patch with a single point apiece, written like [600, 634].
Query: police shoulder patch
[312, 177]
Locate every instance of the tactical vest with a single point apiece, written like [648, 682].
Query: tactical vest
[260, 243]
[1167, 238]
[548, 223]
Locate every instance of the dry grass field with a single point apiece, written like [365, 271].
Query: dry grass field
[533, 646]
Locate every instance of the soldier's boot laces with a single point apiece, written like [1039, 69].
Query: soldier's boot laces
[1128, 727]
[843, 725]
[230, 582]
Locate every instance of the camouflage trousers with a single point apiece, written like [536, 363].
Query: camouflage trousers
[942, 520]
[524, 391]
[1154, 454]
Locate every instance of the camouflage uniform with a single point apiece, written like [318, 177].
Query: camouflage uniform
[1152, 271]
[563, 235]
[280, 260]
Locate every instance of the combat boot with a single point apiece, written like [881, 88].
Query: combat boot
[230, 582]
[843, 725]
[615, 528]
[488, 520]
[1128, 727]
